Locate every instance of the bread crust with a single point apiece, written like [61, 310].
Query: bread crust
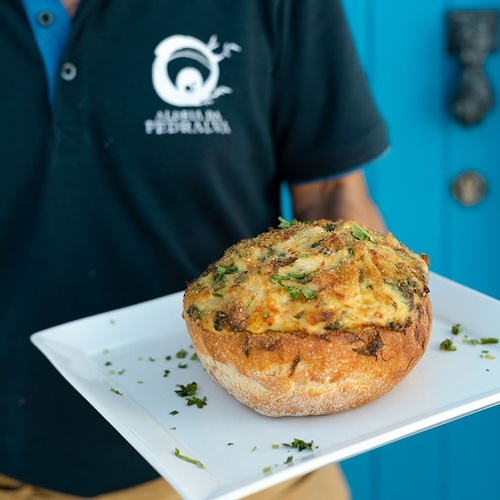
[315, 364]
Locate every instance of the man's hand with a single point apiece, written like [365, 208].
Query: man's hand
[345, 197]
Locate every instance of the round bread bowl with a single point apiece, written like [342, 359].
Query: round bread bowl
[316, 318]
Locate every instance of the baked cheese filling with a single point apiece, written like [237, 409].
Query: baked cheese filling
[327, 277]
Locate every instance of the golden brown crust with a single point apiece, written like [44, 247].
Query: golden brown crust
[314, 319]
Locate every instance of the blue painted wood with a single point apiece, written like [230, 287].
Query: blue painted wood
[472, 243]
[403, 49]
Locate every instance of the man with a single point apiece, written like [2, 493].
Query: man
[130, 130]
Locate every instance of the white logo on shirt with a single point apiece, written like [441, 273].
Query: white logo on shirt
[187, 121]
[197, 76]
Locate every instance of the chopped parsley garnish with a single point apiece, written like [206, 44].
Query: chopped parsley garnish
[471, 341]
[482, 341]
[166, 373]
[187, 390]
[121, 372]
[200, 403]
[223, 270]
[194, 357]
[182, 365]
[266, 470]
[361, 234]
[168, 358]
[289, 459]
[447, 345]
[116, 391]
[284, 224]
[152, 359]
[177, 453]
[108, 363]
[181, 354]
[488, 340]
[308, 294]
[174, 412]
[299, 444]
[278, 278]
[293, 290]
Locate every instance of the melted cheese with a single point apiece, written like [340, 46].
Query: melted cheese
[311, 278]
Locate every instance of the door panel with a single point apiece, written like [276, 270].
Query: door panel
[403, 49]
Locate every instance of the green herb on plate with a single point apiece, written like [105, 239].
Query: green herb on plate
[187, 390]
[489, 340]
[200, 403]
[447, 345]
[177, 453]
[299, 444]
[181, 354]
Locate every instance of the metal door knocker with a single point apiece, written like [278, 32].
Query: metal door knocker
[469, 188]
[473, 34]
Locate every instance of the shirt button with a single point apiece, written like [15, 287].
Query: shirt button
[68, 71]
[45, 18]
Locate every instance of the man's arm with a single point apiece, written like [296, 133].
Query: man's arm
[345, 197]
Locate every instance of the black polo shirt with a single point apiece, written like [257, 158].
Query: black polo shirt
[173, 126]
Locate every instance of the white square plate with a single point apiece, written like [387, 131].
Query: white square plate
[118, 362]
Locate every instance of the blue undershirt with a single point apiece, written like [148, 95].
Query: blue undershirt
[51, 26]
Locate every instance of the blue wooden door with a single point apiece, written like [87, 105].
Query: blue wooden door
[404, 51]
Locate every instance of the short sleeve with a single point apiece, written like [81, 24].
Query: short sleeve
[325, 119]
